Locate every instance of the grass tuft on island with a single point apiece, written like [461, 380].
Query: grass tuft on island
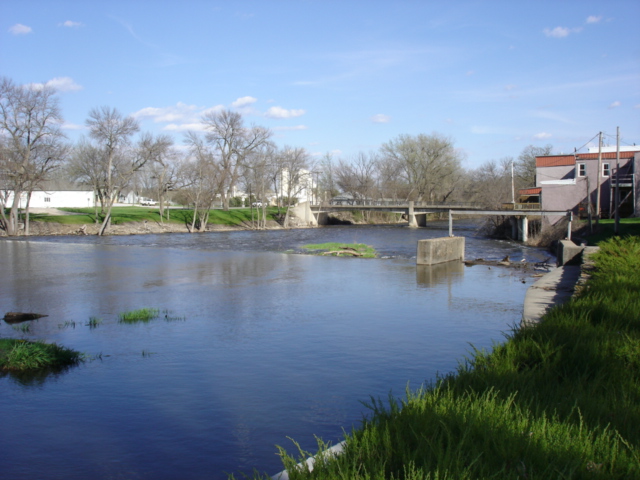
[342, 249]
[558, 400]
[142, 315]
[24, 355]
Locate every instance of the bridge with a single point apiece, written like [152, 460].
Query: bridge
[416, 212]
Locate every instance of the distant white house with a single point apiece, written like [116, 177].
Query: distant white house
[55, 199]
[302, 186]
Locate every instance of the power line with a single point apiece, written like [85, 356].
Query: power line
[589, 141]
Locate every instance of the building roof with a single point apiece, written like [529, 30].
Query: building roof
[568, 160]
[555, 160]
[530, 191]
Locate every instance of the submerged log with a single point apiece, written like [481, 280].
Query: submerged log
[345, 252]
[17, 317]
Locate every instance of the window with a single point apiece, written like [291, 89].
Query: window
[582, 169]
[47, 199]
[605, 170]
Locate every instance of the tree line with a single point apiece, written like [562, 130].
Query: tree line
[225, 157]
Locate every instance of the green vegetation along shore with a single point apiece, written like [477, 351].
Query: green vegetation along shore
[23, 355]
[559, 400]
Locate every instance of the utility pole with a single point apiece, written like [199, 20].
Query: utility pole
[617, 221]
[598, 178]
[513, 189]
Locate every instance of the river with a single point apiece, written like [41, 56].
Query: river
[255, 343]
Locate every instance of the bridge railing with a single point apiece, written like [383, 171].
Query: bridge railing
[521, 206]
[403, 203]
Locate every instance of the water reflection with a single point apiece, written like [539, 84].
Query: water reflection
[432, 275]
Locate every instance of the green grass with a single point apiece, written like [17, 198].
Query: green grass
[22, 355]
[606, 228]
[366, 251]
[123, 215]
[559, 400]
[143, 315]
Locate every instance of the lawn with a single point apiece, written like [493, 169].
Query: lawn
[606, 229]
[122, 215]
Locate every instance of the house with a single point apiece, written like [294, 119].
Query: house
[570, 182]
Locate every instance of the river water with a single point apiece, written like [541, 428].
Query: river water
[255, 343]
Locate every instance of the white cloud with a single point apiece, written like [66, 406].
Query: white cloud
[381, 118]
[19, 29]
[615, 104]
[279, 112]
[70, 24]
[61, 84]
[542, 135]
[214, 109]
[179, 117]
[560, 32]
[64, 84]
[594, 18]
[180, 112]
[244, 101]
[510, 87]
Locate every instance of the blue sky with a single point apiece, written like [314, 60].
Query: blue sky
[342, 77]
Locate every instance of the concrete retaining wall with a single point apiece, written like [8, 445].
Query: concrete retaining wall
[440, 250]
[569, 253]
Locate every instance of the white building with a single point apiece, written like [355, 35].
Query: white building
[301, 186]
[55, 199]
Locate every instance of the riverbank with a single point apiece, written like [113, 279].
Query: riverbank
[556, 400]
[133, 220]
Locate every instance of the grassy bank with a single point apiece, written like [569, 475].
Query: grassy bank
[123, 215]
[22, 355]
[560, 400]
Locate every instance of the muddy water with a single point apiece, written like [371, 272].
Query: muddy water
[255, 343]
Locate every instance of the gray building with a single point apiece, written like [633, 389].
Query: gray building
[570, 182]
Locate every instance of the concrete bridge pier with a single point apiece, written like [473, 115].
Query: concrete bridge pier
[416, 219]
[413, 223]
[524, 229]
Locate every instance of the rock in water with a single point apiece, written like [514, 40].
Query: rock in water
[17, 317]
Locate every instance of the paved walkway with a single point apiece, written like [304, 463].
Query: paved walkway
[555, 288]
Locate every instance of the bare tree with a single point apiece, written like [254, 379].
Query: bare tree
[31, 146]
[86, 165]
[160, 160]
[492, 183]
[232, 143]
[358, 177]
[112, 131]
[327, 184]
[295, 176]
[427, 163]
[201, 181]
[259, 169]
[525, 167]
[391, 183]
